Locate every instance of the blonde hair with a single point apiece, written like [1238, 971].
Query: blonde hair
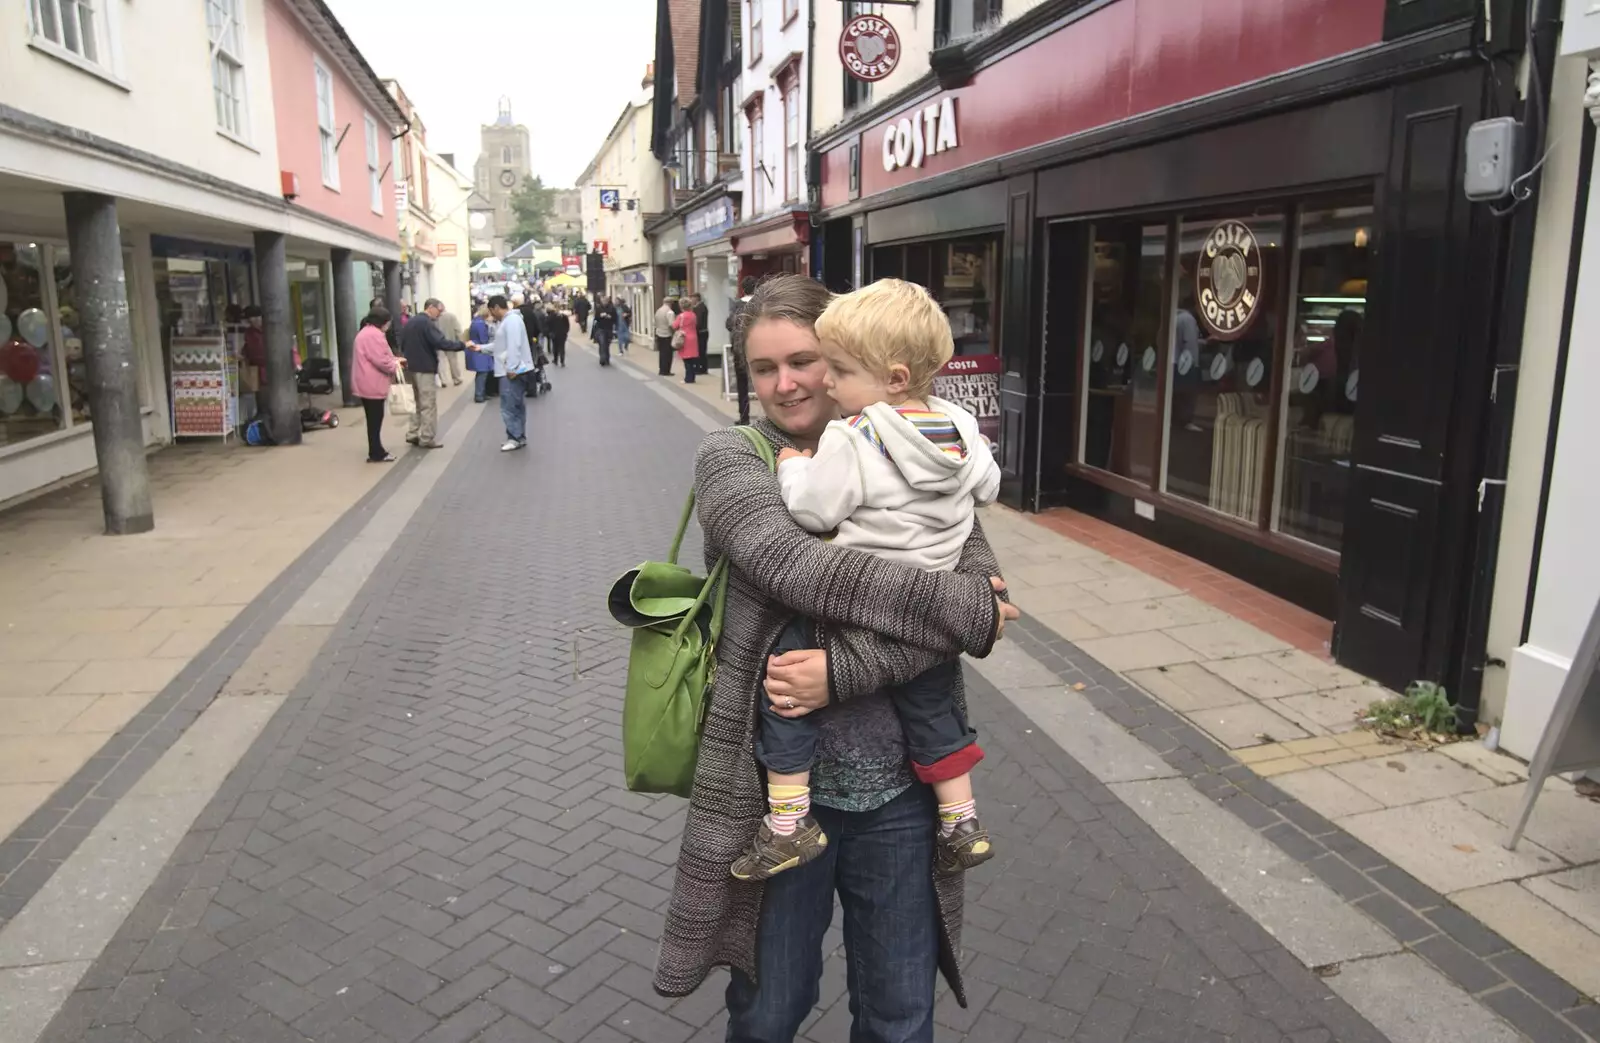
[891, 322]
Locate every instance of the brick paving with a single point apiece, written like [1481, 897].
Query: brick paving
[431, 841]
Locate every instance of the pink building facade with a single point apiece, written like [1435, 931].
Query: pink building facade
[334, 120]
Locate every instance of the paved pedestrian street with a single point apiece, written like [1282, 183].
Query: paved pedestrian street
[430, 839]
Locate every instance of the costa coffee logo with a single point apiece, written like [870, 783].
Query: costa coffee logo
[1228, 280]
[869, 47]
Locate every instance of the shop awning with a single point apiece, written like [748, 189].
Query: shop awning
[787, 232]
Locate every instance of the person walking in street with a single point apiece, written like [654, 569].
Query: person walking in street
[372, 372]
[702, 322]
[480, 361]
[605, 327]
[883, 622]
[513, 364]
[556, 328]
[532, 318]
[689, 349]
[450, 326]
[624, 326]
[420, 342]
[741, 365]
[580, 308]
[662, 331]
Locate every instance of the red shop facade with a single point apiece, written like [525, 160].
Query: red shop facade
[1239, 301]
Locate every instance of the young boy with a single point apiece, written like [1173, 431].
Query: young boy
[900, 478]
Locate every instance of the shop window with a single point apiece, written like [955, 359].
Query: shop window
[327, 133]
[74, 389]
[963, 275]
[1118, 412]
[227, 67]
[1322, 370]
[30, 357]
[1231, 271]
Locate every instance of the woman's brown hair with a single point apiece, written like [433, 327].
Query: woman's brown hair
[789, 298]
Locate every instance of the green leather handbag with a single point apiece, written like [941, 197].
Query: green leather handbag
[676, 618]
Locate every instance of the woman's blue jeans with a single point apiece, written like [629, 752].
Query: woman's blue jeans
[480, 384]
[881, 864]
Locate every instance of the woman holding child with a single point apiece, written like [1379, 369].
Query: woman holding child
[871, 626]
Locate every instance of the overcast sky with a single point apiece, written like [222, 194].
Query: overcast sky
[569, 66]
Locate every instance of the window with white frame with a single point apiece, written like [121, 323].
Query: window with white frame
[708, 155]
[76, 26]
[326, 131]
[226, 29]
[755, 30]
[791, 8]
[374, 176]
[758, 158]
[791, 140]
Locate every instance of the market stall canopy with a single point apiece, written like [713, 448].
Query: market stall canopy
[489, 266]
[558, 281]
[547, 266]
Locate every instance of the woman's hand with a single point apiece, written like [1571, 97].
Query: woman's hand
[1006, 610]
[797, 682]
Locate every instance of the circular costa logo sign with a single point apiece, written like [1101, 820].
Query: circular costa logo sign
[1228, 280]
[869, 47]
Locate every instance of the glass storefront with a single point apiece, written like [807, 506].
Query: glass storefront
[963, 275]
[1120, 428]
[1220, 359]
[31, 356]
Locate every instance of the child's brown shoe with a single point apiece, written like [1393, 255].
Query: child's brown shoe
[773, 853]
[966, 846]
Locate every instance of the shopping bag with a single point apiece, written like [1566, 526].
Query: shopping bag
[402, 398]
[676, 618]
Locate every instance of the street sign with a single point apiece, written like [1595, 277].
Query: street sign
[610, 198]
[1571, 739]
[869, 47]
[601, 247]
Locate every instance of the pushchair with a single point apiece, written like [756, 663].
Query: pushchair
[315, 378]
[538, 385]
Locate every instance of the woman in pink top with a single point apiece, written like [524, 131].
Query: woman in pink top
[371, 373]
[690, 351]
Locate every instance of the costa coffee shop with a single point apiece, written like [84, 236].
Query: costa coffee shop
[1238, 301]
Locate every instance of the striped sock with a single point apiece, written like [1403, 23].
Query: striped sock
[951, 815]
[788, 804]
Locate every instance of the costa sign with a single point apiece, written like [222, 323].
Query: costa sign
[869, 47]
[1228, 280]
[911, 139]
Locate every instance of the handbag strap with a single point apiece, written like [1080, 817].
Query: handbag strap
[763, 449]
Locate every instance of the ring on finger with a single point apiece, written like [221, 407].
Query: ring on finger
[788, 702]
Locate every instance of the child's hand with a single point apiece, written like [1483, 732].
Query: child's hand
[792, 454]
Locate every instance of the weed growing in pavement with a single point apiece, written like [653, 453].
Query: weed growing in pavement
[1423, 714]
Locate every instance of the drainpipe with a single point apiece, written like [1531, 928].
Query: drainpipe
[813, 262]
[1545, 24]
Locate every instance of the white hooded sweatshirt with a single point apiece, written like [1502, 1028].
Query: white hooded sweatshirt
[889, 490]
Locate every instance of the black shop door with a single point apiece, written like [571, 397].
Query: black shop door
[1423, 385]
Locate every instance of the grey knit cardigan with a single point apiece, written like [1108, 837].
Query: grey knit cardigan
[881, 623]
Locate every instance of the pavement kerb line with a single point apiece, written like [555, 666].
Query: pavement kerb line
[1450, 941]
[47, 948]
[701, 412]
[41, 843]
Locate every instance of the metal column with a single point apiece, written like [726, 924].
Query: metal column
[113, 368]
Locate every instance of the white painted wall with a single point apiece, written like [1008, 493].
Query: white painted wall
[1541, 343]
[624, 162]
[776, 42]
[1568, 582]
[157, 94]
[915, 27]
[448, 189]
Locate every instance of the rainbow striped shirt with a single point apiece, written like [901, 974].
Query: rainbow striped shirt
[935, 427]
